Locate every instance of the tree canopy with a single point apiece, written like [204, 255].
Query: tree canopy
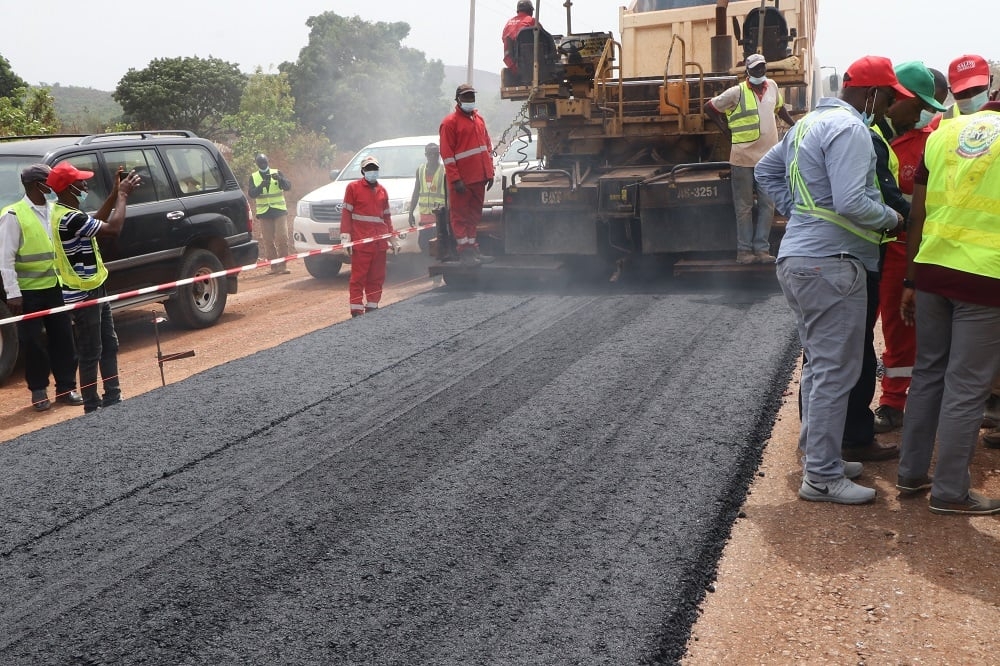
[9, 81]
[266, 123]
[356, 83]
[181, 93]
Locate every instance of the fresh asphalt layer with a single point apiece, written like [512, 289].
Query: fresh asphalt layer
[461, 478]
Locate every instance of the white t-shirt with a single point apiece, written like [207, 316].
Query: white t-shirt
[748, 154]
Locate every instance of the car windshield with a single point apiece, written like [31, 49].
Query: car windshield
[11, 166]
[394, 162]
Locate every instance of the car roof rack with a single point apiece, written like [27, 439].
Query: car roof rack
[27, 137]
[141, 134]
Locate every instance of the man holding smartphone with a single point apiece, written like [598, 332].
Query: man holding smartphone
[82, 273]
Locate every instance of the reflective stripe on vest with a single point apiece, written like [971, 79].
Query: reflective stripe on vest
[371, 219]
[270, 196]
[430, 197]
[744, 118]
[34, 261]
[809, 206]
[962, 228]
[464, 154]
[67, 274]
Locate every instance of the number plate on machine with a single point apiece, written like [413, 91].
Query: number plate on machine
[697, 191]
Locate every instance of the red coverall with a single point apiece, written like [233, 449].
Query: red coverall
[900, 340]
[366, 215]
[466, 152]
[510, 30]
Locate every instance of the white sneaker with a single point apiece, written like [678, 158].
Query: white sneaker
[840, 491]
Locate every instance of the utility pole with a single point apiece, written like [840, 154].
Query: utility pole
[472, 40]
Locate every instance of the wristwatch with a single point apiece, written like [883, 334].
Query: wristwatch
[909, 284]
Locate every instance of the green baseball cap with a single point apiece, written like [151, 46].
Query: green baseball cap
[916, 78]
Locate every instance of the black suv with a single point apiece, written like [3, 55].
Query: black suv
[189, 217]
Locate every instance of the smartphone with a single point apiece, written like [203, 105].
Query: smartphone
[122, 175]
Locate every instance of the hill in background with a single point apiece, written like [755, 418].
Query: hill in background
[84, 109]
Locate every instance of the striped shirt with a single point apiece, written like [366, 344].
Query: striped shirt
[75, 231]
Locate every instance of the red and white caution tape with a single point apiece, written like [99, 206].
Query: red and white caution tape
[204, 278]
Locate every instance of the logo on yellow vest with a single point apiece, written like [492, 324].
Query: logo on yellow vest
[978, 136]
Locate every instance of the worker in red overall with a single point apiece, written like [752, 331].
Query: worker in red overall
[466, 151]
[525, 18]
[366, 215]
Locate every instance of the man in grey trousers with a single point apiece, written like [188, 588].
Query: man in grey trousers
[822, 175]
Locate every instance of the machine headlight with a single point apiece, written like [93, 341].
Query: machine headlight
[303, 209]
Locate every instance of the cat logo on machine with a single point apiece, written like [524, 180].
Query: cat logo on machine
[552, 197]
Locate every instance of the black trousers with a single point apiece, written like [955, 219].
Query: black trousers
[46, 343]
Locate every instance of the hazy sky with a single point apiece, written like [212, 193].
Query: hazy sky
[122, 35]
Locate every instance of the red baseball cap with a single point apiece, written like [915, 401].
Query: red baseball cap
[968, 71]
[873, 71]
[65, 174]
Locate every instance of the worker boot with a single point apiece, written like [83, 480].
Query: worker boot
[467, 257]
[480, 257]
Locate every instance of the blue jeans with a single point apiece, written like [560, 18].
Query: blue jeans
[829, 298]
[97, 347]
[749, 238]
[958, 353]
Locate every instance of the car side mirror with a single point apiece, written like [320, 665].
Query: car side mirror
[834, 83]
[334, 173]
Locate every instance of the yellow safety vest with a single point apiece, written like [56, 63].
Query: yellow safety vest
[430, 197]
[67, 274]
[34, 261]
[271, 196]
[893, 160]
[744, 118]
[808, 205]
[962, 227]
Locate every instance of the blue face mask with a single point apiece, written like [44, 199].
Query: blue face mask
[973, 104]
[866, 117]
[371, 176]
[757, 80]
[925, 118]
[50, 196]
[468, 107]
[81, 194]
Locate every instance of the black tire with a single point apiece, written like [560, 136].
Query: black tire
[323, 266]
[198, 305]
[8, 345]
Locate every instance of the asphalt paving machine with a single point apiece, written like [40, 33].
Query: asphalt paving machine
[632, 172]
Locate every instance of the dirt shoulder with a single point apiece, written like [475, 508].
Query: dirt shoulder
[886, 583]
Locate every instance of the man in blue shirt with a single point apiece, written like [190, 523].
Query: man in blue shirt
[822, 176]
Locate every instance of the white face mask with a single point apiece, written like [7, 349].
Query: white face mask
[468, 107]
[756, 80]
[371, 175]
[973, 104]
[925, 118]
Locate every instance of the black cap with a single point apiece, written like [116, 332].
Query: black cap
[464, 88]
[35, 173]
[525, 6]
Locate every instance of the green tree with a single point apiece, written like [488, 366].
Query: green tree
[28, 111]
[356, 83]
[266, 123]
[181, 93]
[10, 82]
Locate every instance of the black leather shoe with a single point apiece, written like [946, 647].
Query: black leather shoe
[40, 401]
[70, 398]
[872, 452]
